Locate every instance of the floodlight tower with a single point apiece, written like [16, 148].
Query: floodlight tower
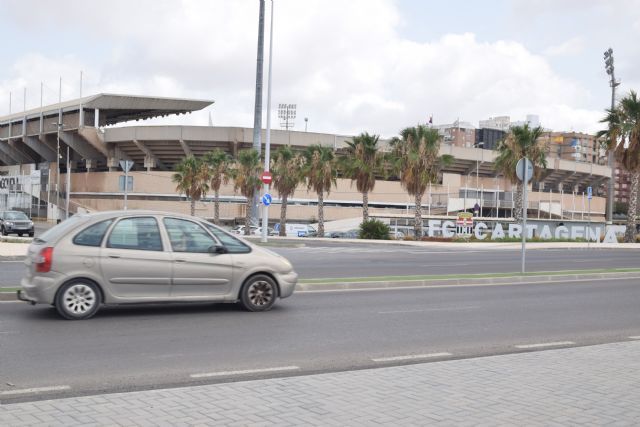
[286, 114]
[608, 64]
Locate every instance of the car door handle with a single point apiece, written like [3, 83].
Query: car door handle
[181, 260]
[114, 256]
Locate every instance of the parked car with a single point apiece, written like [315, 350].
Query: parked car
[297, 230]
[15, 222]
[124, 257]
[239, 229]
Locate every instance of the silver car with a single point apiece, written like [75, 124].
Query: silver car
[124, 257]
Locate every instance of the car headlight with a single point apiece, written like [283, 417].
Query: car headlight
[30, 223]
[9, 223]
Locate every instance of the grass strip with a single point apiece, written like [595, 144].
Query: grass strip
[467, 276]
[8, 289]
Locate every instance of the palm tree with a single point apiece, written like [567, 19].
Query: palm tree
[218, 162]
[246, 178]
[192, 179]
[287, 175]
[522, 141]
[363, 159]
[319, 168]
[623, 137]
[415, 159]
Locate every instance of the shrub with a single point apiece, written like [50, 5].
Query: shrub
[374, 229]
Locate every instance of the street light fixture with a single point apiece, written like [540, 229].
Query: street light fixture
[610, 69]
[306, 121]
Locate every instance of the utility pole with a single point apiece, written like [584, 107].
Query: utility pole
[608, 61]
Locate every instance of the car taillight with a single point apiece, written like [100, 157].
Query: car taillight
[43, 262]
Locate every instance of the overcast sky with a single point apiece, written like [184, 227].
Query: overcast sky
[349, 65]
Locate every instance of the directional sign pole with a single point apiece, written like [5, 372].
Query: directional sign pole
[126, 166]
[267, 149]
[525, 182]
[588, 233]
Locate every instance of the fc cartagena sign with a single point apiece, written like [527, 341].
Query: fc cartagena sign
[514, 231]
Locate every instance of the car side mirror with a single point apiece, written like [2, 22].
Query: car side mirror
[218, 249]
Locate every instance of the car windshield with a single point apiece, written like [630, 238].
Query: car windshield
[16, 216]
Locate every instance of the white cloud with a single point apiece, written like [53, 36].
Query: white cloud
[573, 46]
[343, 62]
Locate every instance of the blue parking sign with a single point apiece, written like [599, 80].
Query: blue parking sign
[589, 192]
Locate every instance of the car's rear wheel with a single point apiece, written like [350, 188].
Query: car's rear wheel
[259, 293]
[77, 300]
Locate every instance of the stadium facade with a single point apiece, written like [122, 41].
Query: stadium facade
[97, 134]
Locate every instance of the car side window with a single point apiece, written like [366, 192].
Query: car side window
[233, 245]
[141, 233]
[92, 235]
[188, 236]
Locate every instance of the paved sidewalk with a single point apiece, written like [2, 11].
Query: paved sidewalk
[595, 385]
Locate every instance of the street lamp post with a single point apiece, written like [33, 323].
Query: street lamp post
[478, 145]
[608, 62]
[306, 121]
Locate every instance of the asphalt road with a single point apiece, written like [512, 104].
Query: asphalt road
[126, 348]
[343, 260]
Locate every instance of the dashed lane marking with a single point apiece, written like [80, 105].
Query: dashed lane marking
[245, 372]
[635, 337]
[34, 390]
[410, 357]
[545, 344]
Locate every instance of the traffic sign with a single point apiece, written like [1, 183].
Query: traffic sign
[126, 165]
[589, 193]
[267, 199]
[528, 173]
[266, 177]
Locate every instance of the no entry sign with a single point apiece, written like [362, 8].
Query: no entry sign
[266, 177]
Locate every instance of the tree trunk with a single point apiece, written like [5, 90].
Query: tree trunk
[320, 214]
[365, 206]
[247, 217]
[632, 211]
[283, 217]
[417, 226]
[193, 207]
[216, 208]
[517, 198]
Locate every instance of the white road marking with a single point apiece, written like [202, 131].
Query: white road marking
[471, 285]
[427, 310]
[245, 372]
[545, 344]
[21, 262]
[410, 357]
[34, 390]
[8, 332]
[635, 337]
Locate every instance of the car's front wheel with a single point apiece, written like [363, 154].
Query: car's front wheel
[259, 293]
[4, 232]
[77, 300]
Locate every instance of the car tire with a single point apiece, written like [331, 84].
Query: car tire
[31, 234]
[78, 300]
[4, 232]
[258, 293]
[19, 234]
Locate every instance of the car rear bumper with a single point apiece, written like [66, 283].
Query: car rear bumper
[287, 283]
[38, 290]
